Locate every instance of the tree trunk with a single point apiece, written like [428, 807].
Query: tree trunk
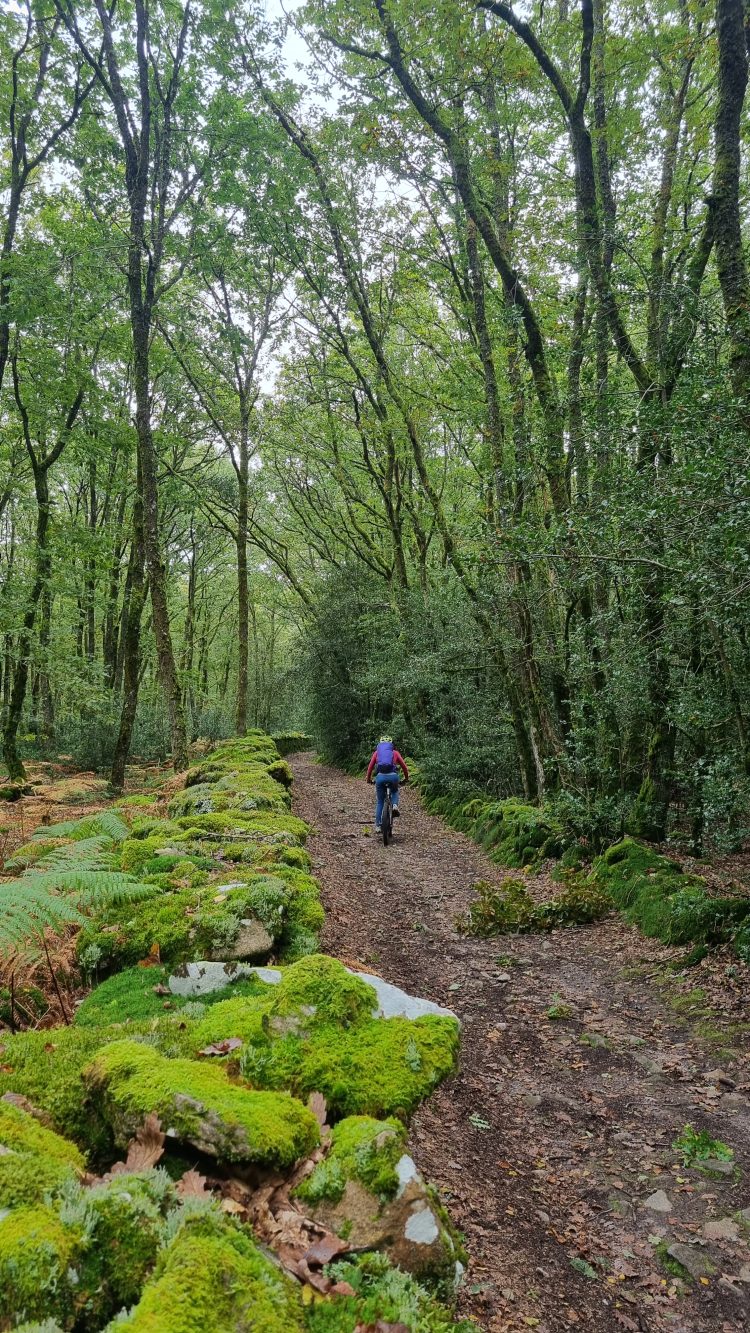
[725, 201]
[243, 611]
[42, 560]
[131, 639]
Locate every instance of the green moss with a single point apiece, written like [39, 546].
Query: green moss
[22, 1132]
[27, 1179]
[324, 985]
[46, 1067]
[380, 1068]
[263, 825]
[662, 900]
[213, 1278]
[291, 742]
[38, 1258]
[132, 997]
[362, 1149]
[200, 1105]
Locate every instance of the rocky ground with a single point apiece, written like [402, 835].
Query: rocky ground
[584, 1055]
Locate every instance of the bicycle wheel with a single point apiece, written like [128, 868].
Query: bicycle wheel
[386, 822]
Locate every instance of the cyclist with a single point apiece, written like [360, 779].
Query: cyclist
[383, 765]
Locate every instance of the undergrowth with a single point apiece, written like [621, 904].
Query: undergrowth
[509, 908]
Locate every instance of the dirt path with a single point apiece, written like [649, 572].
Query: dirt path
[555, 1132]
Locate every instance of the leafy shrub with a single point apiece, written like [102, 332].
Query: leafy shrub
[697, 1146]
[510, 908]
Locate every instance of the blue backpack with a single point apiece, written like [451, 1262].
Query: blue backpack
[384, 757]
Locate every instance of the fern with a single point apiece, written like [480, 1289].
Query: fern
[104, 824]
[93, 853]
[45, 899]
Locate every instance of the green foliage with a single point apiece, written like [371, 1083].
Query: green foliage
[510, 908]
[38, 1260]
[697, 1146]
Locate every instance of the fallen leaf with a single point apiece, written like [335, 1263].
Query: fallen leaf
[192, 1186]
[231, 1206]
[153, 958]
[317, 1104]
[147, 1146]
[161, 989]
[324, 1250]
[222, 1047]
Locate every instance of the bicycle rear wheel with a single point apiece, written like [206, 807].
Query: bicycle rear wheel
[386, 822]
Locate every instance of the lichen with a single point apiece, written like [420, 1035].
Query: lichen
[199, 1105]
[381, 1294]
[213, 1278]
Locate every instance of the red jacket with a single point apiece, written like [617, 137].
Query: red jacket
[396, 760]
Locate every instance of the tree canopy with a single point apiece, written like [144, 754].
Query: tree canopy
[382, 363]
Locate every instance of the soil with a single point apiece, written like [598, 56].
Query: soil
[584, 1054]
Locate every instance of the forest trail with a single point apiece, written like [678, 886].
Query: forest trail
[552, 1145]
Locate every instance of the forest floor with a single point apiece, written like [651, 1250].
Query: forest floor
[552, 1145]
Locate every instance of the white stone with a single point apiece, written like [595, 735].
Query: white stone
[422, 1228]
[194, 979]
[406, 1170]
[396, 1003]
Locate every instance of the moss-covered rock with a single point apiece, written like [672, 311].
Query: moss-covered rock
[142, 993]
[364, 1150]
[198, 1105]
[213, 1278]
[322, 987]
[35, 1162]
[662, 900]
[39, 1258]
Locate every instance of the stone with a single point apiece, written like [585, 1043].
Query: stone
[396, 1003]
[721, 1228]
[692, 1259]
[714, 1166]
[192, 980]
[593, 1039]
[406, 1228]
[658, 1202]
[253, 941]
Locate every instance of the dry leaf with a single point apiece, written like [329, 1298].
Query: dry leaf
[161, 989]
[222, 1047]
[324, 1250]
[147, 1146]
[342, 1289]
[625, 1321]
[317, 1104]
[192, 1186]
[153, 959]
[231, 1206]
